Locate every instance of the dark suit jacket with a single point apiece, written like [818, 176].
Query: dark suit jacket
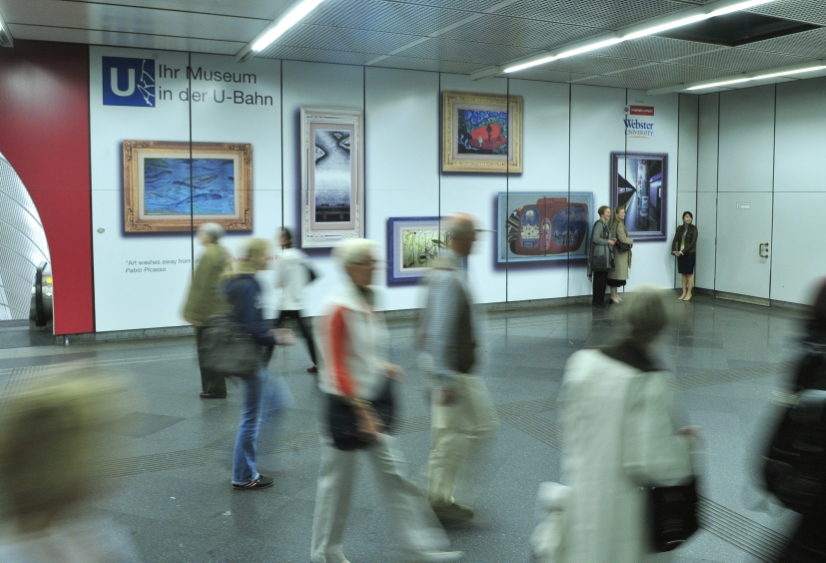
[690, 239]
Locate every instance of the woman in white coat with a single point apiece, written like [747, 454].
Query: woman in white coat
[619, 434]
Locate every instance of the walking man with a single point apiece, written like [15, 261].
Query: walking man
[462, 413]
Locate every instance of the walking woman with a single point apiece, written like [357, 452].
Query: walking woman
[357, 379]
[622, 253]
[684, 247]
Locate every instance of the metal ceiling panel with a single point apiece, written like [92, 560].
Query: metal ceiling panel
[743, 60]
[657, 49]
[341, 39]
[101, 17]
[623, 82]
[592, 64]
[317, 55]
[134, 40]
[467, 5]
[518, 32]
[545, 75]
[810, 11]
[466, 51]
[593, 13]
[810, 44]
[391, 17]
[672, 74]
[255, 9]
[411, 63]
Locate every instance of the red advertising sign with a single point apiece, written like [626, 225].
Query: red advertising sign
[642, 110]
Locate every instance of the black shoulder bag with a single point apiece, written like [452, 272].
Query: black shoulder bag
[672, 512]
[342, 420]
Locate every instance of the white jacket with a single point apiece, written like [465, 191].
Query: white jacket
[605, 513]
[354, 346]
[292, 277]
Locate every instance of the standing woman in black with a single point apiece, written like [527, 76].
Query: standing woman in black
[684, 247]
[601, 257]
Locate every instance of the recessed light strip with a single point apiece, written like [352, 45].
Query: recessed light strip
[766, 76]
[279, 27]
[630, 33]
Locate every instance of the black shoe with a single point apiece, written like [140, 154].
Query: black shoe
[206, 395]
[599, 305]
[313, 369]
[260, 483]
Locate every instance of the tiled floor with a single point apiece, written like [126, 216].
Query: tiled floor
[172, 487]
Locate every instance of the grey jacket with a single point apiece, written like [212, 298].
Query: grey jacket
[600, 235]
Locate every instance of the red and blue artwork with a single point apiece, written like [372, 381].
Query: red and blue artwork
[483, 132]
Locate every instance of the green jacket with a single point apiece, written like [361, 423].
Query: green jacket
[204, 294]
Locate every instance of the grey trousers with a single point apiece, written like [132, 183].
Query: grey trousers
[416, 526]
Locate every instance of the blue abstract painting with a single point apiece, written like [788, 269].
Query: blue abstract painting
[167, 186]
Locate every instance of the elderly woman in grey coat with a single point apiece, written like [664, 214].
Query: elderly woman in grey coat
[600, 257]
[622, 258]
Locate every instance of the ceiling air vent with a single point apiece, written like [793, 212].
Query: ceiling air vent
[739, 28]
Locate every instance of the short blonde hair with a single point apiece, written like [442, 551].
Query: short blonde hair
[353, 251]
[645, 313]
[256, 251]
[51, 445]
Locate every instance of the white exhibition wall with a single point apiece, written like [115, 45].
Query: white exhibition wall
[569, 133]
[761, 164]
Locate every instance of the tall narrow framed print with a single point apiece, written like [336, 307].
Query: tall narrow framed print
[481, 133]
[174, 186]
[332, 176]
[639, 182]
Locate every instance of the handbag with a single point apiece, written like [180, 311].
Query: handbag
[672, 513]
[622, 246]
[311, 275]
[342, 420]
[227, 349]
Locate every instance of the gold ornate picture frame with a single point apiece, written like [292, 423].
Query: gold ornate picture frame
[173, 186]
[481, 133]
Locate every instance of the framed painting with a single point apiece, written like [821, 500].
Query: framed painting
[412, 245]
[481, 133]
[332, 176]
[639, 184]
[168, 187]
[543, 226]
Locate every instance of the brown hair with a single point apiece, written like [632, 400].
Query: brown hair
[602, 209]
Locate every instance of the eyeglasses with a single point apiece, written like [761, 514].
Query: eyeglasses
[365, 263]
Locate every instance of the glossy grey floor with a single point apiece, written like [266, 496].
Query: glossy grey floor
[172, 492]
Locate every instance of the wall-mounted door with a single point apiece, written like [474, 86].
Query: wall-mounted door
[744, 226]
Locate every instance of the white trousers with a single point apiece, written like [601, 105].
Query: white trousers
[417, 527]
[456, 430]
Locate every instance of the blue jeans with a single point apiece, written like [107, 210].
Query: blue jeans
[263, 400]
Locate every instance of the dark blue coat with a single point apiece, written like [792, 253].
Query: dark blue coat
[244, 296]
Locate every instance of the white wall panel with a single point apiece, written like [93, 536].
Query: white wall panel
[795, 262]
[597, 129]
[743, 222]
[686, 164]
[475, 194]
[707, 144]
[402, 176]
[545, 141]
[746, 140]
[800, 165]
[314, 85]
[652, 261]
[706, 221]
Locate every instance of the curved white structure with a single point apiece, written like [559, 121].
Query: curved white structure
[23, 244]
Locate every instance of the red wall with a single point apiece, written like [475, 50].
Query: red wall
[44, 133]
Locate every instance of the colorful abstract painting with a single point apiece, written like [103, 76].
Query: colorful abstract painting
[167, 186]
[483, 132]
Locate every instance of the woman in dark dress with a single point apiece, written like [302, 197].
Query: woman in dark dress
[684, 248]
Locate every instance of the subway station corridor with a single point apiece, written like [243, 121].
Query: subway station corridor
[172, 493]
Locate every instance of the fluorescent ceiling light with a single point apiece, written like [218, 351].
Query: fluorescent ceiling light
[656, 26]
[285, 22]
[758, 77]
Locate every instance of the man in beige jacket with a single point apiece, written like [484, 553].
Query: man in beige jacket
[462, 413]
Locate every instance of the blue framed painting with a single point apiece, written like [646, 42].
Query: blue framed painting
[175, 186]
[412, 245]
[543, 226]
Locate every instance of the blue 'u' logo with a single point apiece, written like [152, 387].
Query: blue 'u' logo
[128, 82]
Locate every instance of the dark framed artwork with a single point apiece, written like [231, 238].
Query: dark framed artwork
[172, 186]
[413, 243]
[481, 133]
[543, 226]
[332, 176]
[639, 183]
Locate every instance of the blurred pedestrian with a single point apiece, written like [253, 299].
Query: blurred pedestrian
[356, 377]
[293, 275]
[51, 451]
[205, 299]
[601, 256]
[264, 398]
[619, 439]
[462, 413]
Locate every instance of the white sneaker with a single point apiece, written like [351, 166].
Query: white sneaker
[438, 556]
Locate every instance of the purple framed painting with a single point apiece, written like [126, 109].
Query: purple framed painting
[639, 183]
[412, 245]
